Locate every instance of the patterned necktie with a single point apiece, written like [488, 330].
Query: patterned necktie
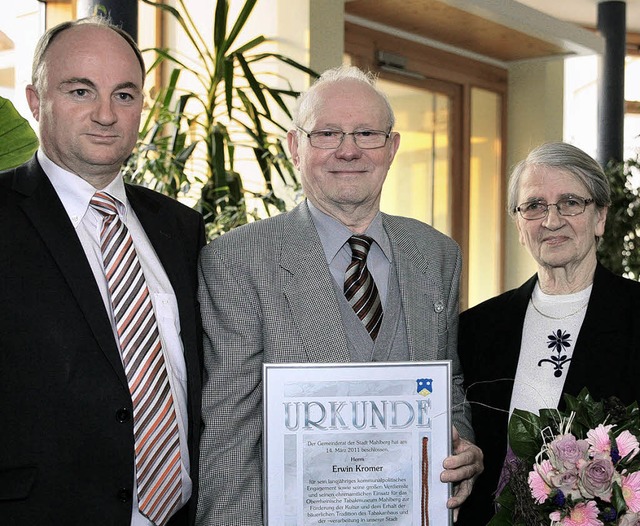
[359, 287]
[157, 447]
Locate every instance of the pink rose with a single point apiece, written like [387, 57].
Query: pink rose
[629, 519]
[596, 478]
[566, 451]
[566, 481]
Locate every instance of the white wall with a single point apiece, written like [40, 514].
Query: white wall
[23, 23]
[535, 115]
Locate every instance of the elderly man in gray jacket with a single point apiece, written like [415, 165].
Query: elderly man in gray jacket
[274, 291]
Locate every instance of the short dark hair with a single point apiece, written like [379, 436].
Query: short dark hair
[51, 34]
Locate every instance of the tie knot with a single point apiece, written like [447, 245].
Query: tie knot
[360, 246]
[104, 203]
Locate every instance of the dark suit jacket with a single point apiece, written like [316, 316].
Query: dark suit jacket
[605, 360]
[66, 444]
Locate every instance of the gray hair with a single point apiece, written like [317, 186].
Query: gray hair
[569, 159]
[38, 76]
[308, 101]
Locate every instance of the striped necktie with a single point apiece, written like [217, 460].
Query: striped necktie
[157, 446]
[360, 289]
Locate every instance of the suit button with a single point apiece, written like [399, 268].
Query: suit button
[124, 495]
[123, 415]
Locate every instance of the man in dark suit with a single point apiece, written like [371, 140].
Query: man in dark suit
[66, 404]
[273, 292]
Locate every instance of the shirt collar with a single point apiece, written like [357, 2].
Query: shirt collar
[76, 193]
[334, 235]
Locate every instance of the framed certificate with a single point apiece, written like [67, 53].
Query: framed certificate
[356, 443]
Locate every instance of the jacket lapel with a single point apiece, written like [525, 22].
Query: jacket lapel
[417, 289]
[601, 328]
[512, 326]
[45, 211]
[309, 289]
[161, 229]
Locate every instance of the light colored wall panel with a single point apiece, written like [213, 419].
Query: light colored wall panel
[535, 116]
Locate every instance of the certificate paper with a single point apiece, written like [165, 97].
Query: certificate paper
[356, 443]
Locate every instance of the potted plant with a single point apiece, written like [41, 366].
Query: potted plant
[232, 107]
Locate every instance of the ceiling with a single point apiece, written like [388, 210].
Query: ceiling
[583, 12]
[499, 30]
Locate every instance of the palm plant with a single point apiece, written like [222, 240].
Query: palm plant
[160, 158]
[231, 109]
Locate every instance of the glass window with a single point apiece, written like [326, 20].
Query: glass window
[485, 196]
[418, 184]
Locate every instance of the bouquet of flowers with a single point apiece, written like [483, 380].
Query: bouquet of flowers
[578, 467]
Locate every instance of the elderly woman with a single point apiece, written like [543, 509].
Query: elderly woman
[572, 325]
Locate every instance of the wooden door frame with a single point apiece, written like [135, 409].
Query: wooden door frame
[454, 76]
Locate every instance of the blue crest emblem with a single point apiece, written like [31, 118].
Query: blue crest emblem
[425, 386]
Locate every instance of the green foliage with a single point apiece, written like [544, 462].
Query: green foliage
[619, 249]
[525, 430]
[231, 111]
[618, 499]
[159, 159]
[18, 141]
[504, 515]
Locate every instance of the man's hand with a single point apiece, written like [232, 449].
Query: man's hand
[461, 468]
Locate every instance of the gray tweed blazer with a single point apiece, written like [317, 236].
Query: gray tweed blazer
[267, 296]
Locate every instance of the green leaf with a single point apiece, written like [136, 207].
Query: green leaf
[287, 60]
[220, 28]
[219, 174]
[250, 45]
[228, 85]
[18, 141]
[618, 499]
[525, 435]
[275, 95]
[253, 83]
[166, 55]
[506, 502]
[501, 518]
[549, 418]
[239, 24]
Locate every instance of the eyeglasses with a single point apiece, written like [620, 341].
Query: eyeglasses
[567, 206]
[330, 139]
